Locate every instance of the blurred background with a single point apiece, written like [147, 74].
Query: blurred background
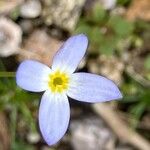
[119, 48]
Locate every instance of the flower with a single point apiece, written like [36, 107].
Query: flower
[58, 82]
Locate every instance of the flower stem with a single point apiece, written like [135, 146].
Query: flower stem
[4, 74]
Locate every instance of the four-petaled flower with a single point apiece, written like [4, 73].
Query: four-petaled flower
[58, 82]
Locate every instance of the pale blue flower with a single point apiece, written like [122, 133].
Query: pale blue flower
[58, 82]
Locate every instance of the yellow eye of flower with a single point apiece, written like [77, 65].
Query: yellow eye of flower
[58, 81]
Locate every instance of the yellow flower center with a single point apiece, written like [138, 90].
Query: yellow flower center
[58, 82]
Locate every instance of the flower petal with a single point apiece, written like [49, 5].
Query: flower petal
[54, 115]
[69, 56]
[32, 76]
[92, 88]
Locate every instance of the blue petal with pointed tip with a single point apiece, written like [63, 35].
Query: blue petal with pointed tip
[54, 115]
[71, 53]
[92, 88]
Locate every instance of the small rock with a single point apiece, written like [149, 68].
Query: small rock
[91, 134]
[10, 37]
[33, 137]
[120, 11]
[108, 4]
[26, 25]
[112, 68]
[64, 13]
[30, 9]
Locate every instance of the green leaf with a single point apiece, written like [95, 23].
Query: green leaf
[138, 109]
[123, 2]
[20, 145]
[96, 36]
[108, 45]
[120, 26]
[147, 62]
[83, 28]
[15, 14]
[27, 115]
[145, 97]
[98, 13]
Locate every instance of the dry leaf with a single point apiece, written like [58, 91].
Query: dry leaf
[4, 134]
[40, 46]
[139, 10]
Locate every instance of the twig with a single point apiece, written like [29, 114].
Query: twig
[120, 128]
[137, 77]
[4, 134]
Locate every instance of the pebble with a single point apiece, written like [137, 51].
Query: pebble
[10, 37]
[90, 133]
[108, 4]
[30, 9]
[33, 137]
